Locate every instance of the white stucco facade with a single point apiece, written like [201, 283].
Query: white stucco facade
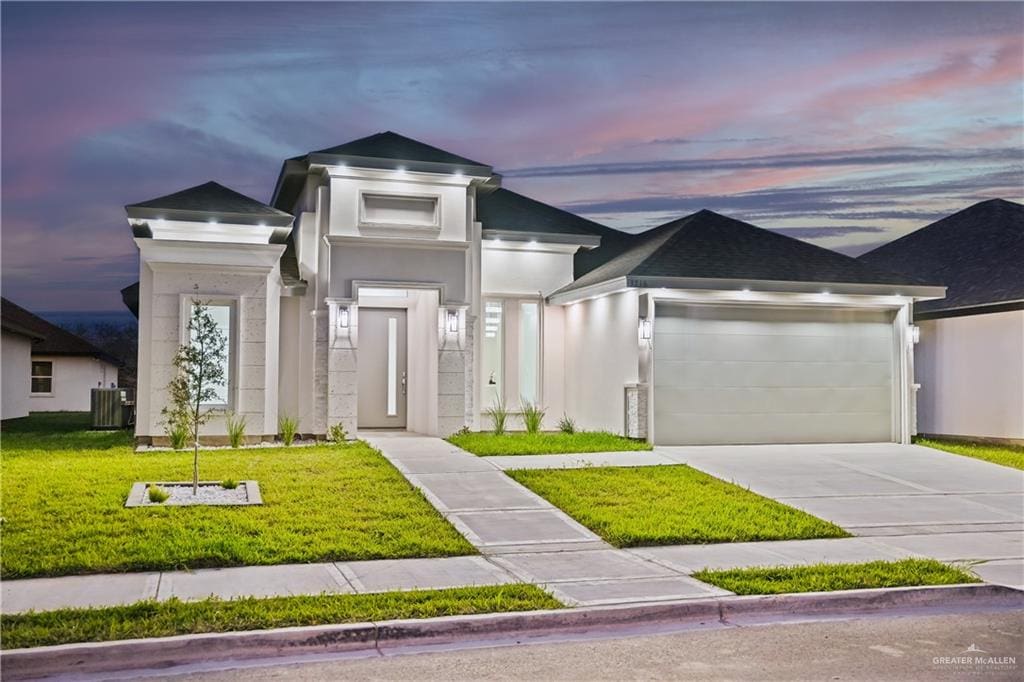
[482, 281]
[16, 353]
[971, 372]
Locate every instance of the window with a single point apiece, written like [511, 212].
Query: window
[529, 352]
[511, 352]
[493, 361]
[222, 314]
[42, 377]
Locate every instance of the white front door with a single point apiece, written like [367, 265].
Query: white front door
[383, 372]
[756, 374]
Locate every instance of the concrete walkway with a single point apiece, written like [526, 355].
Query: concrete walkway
[523, 538]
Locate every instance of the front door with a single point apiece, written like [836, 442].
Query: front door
[382, 368]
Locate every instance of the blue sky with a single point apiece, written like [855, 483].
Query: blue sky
[841, 123]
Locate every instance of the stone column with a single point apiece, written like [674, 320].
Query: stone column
[454, 374]
[636, 411]
[342, 381]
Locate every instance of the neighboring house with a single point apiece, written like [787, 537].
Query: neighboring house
[59, 371]
[392, 284]
[970, 360]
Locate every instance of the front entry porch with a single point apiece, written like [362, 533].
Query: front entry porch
[398, 358]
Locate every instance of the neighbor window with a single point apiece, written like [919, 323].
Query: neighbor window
[42, 377]
[222, 314]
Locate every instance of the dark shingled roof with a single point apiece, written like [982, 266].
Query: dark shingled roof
[707, 245]
[390, 145]
[54, 340]
[506, 211]
[978, 253]
[209, 199]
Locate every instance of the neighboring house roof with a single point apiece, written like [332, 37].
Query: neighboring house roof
[52, 339]
[505, 213]
[707, 245]
[130, 297]
[978, 253]
[207, 201]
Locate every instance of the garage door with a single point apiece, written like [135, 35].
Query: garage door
[736, 374]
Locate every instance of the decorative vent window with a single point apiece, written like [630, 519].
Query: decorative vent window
[401, 211]
[42, 377]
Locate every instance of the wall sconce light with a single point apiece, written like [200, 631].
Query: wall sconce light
[645, 329]
[453, 321]
[915, 334]
[343, 318]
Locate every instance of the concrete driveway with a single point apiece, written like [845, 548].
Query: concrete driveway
[873, 489]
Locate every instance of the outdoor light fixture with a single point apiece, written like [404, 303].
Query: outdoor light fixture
[645, 329]
[915, 334]
[453, 321]
[343, 318]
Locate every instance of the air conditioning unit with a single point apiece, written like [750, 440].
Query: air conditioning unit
[111, 408]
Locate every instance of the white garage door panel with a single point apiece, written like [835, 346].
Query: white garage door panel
[768, 374]
[771, 375]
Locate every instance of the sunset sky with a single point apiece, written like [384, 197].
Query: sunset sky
[844, 124]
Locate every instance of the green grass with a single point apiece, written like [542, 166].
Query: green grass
[831, 577]
[1007, 455]
[161, 619]
[668, 505]
[64, 491]
[487, 444]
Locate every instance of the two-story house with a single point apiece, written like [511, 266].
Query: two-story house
[395, 285]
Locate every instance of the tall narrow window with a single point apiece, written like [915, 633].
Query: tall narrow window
[42, 377]
[529, 352]
[492, 369]
[221, 314]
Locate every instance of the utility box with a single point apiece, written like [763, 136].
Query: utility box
[108, 408]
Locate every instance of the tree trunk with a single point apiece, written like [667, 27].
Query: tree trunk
[195, 469]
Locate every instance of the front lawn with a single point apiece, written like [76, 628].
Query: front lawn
[831, 577]
[669, 505]
[486, 444]
[1007, 455]
[64, 490]
[173, 617]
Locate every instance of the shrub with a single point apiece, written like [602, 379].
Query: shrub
[157, 494]
[566, 424]
[533, 416]
[288, 427]
[499, 415]
[229, 484]
[236, 429]
[178, 433]
[337, 433]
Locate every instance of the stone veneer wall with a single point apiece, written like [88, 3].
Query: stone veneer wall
[636, 411]
[455, 380]
[251, 321]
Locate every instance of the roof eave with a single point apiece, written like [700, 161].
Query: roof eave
[469, 170]
[275, 219]
[916, 291]
[586, 241]
[966, 310]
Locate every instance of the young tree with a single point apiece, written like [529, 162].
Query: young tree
[200, 371]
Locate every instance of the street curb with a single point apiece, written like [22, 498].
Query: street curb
[166, 652]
